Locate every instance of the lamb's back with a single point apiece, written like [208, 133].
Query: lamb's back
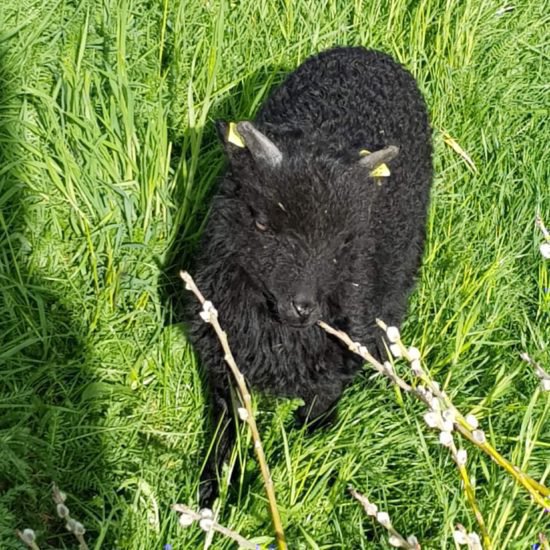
[350, 98]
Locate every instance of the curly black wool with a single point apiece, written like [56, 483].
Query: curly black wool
[299, 229]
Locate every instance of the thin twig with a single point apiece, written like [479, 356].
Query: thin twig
[451, 413]
[188, 516]
[211, 315]
[470, 496]
[362, 351]
[538, 491]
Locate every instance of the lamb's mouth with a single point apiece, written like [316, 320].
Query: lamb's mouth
[286, 316]
[279, 315]
[289, 318]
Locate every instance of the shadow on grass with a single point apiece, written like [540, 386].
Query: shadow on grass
[46, 422]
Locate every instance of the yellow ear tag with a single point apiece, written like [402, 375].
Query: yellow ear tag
[233, 135]
[381, 171]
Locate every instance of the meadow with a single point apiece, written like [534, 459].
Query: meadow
[108, 158]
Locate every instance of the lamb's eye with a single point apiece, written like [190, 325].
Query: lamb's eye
[260, 226]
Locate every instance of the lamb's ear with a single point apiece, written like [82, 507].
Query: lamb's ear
[371, 161]
[245, 135]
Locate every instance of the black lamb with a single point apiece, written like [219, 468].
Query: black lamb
[304, 228]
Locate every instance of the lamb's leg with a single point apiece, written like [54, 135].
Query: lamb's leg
[319, 407]
[309, 415]
[224, 426]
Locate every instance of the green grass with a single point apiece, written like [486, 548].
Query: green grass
[107, 160]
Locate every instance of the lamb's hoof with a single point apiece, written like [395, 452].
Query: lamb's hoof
[208, 492]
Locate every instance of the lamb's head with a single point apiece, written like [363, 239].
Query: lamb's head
[292, 223]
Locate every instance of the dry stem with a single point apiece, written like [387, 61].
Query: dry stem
[246, 402]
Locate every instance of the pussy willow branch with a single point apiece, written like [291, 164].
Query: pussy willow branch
[73, 526]
[396, 538]
[471, 497]
[246, 401]
[468, 488]
[362, 351]
[537, 490]
[214, 526]
[27, 536]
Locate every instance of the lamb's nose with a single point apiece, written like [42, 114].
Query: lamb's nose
[304, 305]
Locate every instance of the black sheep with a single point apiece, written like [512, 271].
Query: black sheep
[302, 229]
